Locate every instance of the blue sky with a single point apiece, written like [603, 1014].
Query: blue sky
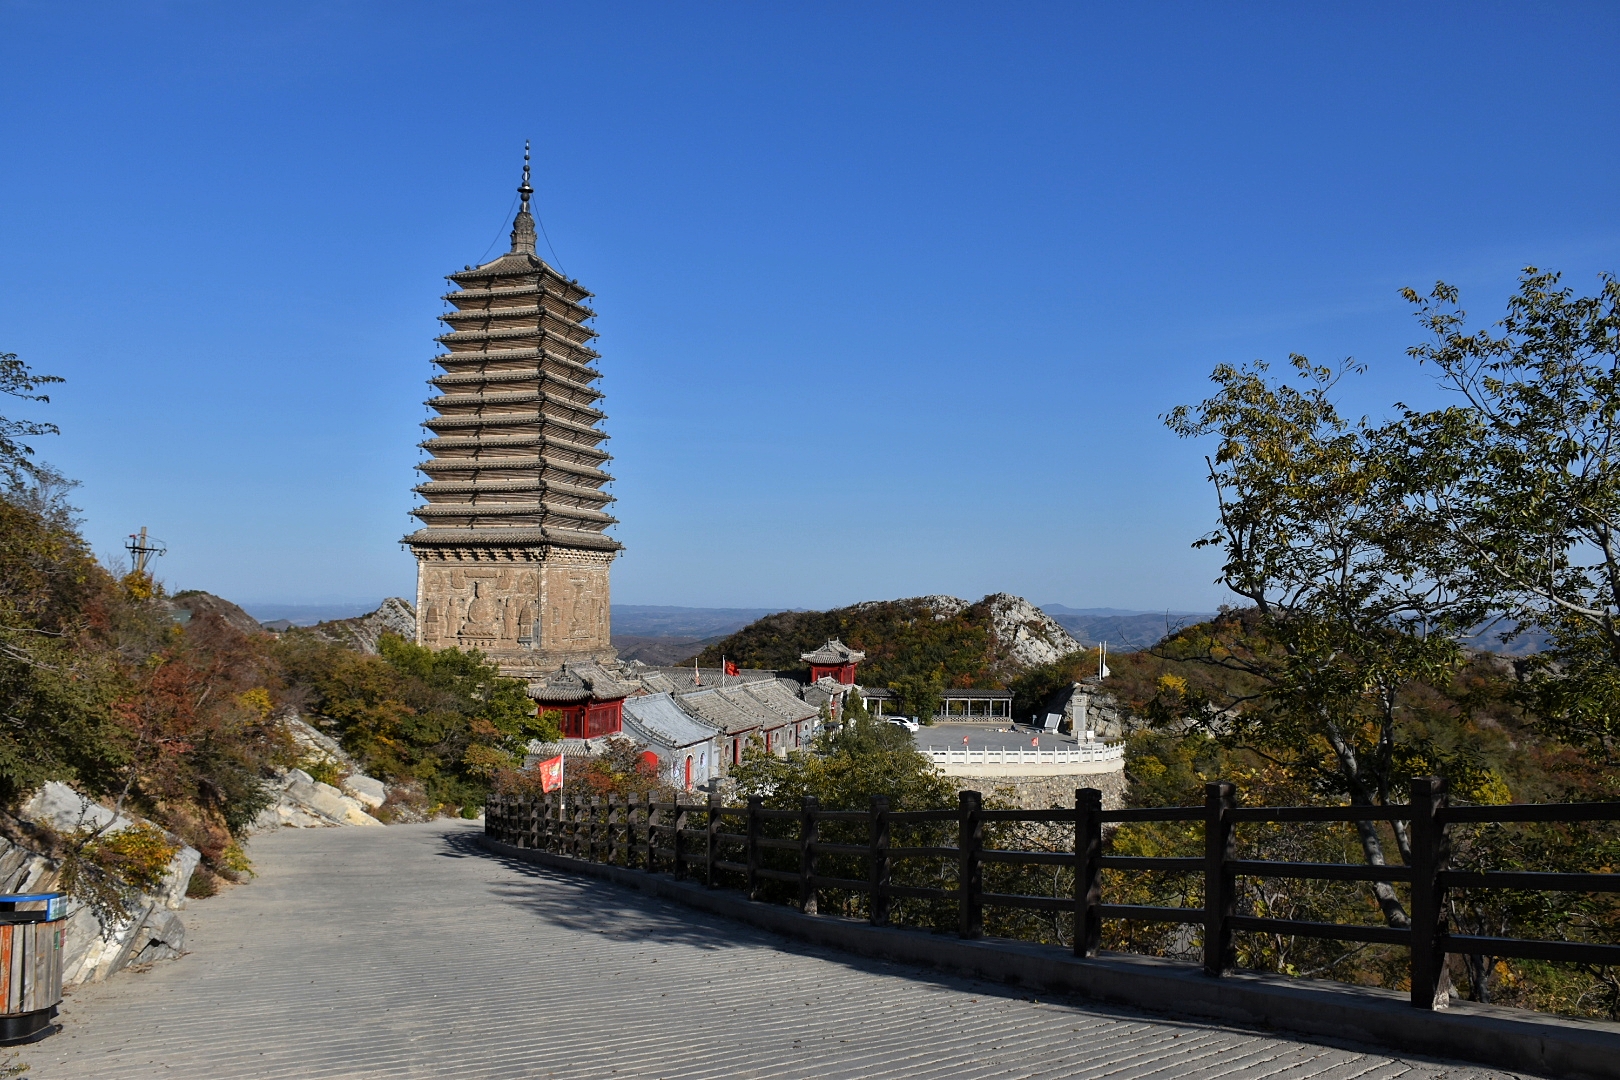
[892, 296]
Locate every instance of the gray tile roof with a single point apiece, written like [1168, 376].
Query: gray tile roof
[729, 708]
[659, 717]
[780, 700]
[580, 682]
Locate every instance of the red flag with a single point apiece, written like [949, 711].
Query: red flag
[1036, 741]
[551, 773]
[731, 668]
[964, 740]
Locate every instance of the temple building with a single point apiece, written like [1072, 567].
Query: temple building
[834, 659]
[512, 558]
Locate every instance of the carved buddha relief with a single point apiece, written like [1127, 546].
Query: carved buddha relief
[481, 614]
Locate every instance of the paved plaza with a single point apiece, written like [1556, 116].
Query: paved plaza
[406, 952]
[948, 735]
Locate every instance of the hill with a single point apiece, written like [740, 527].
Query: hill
[917, 646]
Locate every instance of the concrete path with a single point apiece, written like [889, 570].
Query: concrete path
[406, 952]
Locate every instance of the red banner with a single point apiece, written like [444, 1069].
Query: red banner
[551, 773]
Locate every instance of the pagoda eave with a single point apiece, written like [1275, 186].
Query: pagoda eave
[510, 538]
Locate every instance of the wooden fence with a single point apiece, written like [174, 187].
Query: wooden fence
[693, 840]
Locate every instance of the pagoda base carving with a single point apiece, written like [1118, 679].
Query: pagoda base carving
[531, 610]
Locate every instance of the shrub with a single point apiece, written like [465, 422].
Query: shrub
[108, 872]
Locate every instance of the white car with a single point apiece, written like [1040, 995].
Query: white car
[907, 722]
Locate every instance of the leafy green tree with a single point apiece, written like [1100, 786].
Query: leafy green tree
[1313, 528]
[1521, 479]
[447, 719]
[918, 695]
[844, 770]
[57, 679]
[19, 380]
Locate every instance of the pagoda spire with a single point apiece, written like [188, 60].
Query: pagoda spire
[523, 224]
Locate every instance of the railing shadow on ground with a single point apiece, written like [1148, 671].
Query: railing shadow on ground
[607, 909]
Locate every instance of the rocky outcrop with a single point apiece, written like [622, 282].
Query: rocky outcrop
[305, 803]
[1028, 635]
[1025, 634]
[194, 603]
[394, 616]
[302, 802]
[94, 945]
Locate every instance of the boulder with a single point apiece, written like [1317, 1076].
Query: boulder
[324, 800]
[61, 809]
[394, 615]
[373, 793]
[93, 946]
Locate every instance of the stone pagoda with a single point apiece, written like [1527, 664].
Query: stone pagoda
[511, 557]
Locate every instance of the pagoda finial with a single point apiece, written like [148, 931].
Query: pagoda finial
[523, 224]
[524, 189]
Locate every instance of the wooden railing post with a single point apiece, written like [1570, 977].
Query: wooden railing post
[808, 834]
[654, 821]
[879, 866]
[970, 875]
[632, 805]
[551, 808]
[615, 844]
[712, 850]
[1220, 885]
[678, 838]
[1431, 982]
[593, 828]
[1087, 871]
[756, 804]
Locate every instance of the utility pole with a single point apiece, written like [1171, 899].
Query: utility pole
[142, 549]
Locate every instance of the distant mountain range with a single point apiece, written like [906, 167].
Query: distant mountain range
[659, 634]
[1123, 630]
[663, 634]
[309, 614]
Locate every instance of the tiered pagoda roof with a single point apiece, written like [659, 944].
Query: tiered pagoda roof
[517, 457]
[834, 652]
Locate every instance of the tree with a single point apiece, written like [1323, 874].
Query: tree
[18, 380]
[844, 770]
[447, 719]
[1522, 480]
[1314, 527]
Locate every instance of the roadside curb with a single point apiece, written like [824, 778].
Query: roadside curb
[1503, 1038]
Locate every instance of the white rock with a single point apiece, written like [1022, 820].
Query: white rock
[59, 807]
[329, 802]
[369, 791]
[92, 949]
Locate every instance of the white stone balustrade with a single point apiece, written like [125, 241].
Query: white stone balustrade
[1025, 755]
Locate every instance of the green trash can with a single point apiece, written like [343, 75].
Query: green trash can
[31, 926]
